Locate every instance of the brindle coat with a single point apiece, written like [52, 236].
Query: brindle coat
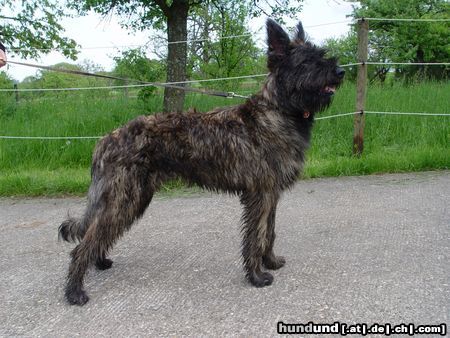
[254, 150]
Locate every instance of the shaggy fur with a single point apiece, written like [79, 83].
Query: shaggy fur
[254, 150]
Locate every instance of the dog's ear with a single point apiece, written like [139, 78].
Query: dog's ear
[278, 42]
[299, 34]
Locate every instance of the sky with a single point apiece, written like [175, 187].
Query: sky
[102, 39]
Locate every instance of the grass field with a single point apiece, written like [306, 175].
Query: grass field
[58, 167]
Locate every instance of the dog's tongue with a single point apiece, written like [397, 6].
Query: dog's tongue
[330, 89]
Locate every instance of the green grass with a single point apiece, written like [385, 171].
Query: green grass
[391, 143]
[59, 167]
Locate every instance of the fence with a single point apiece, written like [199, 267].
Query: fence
[361, 84]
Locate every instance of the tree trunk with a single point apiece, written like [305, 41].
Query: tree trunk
[420, 57]
[177, 54]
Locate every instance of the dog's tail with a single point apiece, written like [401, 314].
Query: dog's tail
[72, 230]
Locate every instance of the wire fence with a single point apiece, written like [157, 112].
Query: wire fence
[209, 80]
[405, 19]
[347, 21]
[138, 85]
[236, 78]
[168, 42]
[380, 113]
[317, 119]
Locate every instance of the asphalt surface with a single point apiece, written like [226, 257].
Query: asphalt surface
[369, 250]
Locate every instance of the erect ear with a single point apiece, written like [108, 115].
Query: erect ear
[299, 33]
[278, 42]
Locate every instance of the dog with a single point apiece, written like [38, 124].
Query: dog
[254, 150]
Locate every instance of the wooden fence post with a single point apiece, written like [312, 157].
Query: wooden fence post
[361, 86]
[16, 92]
[125, 89]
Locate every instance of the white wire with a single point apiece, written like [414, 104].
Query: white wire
[381, 113]
[219, 38]
[397, 63]
[220, 79]
[404, 113]
[333, 116]
[170, 42]
[64, 49]
[130, 86]
[319, 118]
[212, 80]
[408, 63]
[330, 23]
[49, 137]
[216, 79]
[403, 19]
[231, 94]
[71, 89]
[351, 64]
[128, 46]
[225, 37]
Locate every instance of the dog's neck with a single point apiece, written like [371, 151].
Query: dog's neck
[301, 122]
[270, 98]
[268, 91]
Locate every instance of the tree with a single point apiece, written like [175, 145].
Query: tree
[33, 28]
[7, 106]
[172, 15]
[5, 81]
[345, 48]
[408, 41]
[213, 57]
[134, 64]
[54, 79]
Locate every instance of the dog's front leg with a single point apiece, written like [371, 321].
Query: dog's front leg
[255, 219]
[269, 259]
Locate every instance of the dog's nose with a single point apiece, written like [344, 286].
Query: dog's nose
[340, 72]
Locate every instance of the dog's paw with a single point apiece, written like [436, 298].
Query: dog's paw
[273, 262]
[77, 297]
[103, 264]
[260, 280]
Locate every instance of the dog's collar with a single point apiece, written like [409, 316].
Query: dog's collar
[306, 114]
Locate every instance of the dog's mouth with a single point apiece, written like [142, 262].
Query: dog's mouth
[329, 90]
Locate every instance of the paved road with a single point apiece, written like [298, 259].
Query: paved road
[370, 249]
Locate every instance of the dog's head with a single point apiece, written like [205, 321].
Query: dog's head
[303, 78]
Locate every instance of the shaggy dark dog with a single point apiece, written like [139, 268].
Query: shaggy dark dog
[254, 150]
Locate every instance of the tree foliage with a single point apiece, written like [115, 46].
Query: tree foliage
[52, 79]
[140, 15]
[345, 48]
[408, 41]
[211, 56]
[29, 28]
[7, 104]
[172, 15]
[5, 81]
[134, 64]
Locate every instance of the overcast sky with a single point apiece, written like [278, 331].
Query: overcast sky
[102, 39]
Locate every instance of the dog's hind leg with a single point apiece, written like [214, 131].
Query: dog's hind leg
[122, 200]
[103, 263]
[83, 255]
[257, 208]
[269, 259]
